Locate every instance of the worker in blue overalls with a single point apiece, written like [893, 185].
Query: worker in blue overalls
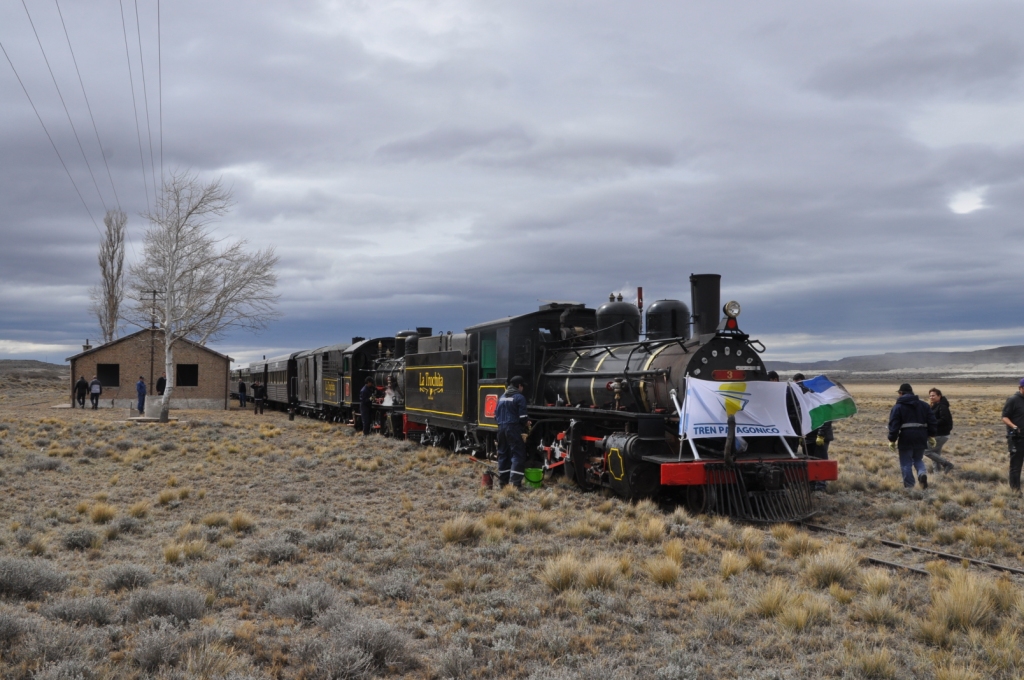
[512, 427]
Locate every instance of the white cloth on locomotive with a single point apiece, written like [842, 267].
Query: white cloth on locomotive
[759, 407]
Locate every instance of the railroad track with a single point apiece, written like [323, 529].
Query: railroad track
[914, 548]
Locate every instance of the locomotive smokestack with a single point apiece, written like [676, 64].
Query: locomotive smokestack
[705, 296]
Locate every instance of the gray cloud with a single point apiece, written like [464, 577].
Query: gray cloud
[444, 164]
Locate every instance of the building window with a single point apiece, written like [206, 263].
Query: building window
[187, 375]
[109, 374]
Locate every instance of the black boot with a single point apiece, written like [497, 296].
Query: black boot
[924, 481]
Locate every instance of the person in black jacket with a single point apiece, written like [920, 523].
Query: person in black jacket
[81, 389]
[161, 383]
[241, 393]
[911, 428]
[366, 395]
[259, 394]
[1013, 418]
[940, 407]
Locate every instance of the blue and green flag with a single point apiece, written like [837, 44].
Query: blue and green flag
[823, 400]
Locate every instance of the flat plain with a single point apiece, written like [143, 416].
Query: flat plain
[229, 545]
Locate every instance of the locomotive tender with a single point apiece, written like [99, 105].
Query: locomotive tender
[603, 398]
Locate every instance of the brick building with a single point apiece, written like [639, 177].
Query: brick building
[201, 375]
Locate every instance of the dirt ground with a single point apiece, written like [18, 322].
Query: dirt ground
[230, 545]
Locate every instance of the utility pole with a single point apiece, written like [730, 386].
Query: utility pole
[152, 338]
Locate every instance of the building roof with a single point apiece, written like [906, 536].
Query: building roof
[140, 332]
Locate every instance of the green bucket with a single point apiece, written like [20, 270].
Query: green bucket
[535, 477]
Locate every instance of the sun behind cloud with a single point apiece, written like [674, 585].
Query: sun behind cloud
[967, 201]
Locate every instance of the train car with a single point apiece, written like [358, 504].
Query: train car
[307, 382]
[279, 379]
[439, 394]
[358, 362]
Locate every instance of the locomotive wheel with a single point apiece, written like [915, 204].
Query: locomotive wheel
[700, 500]
[579, 474]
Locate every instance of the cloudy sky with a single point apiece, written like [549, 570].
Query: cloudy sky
[854, 171]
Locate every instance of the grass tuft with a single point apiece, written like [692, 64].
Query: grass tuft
[139, 510]
[217, 519]
[102, 513]
[800, 543]
[242, 522]
[653, 531]
[876, 664]
[876, 581]
[461, 529]
[675, 549]
[771, 600]
[601, 573]
[964, 604]
[561, 573]
[834, 565]
[732, 564]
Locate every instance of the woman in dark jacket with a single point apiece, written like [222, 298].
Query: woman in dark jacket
[940, 407]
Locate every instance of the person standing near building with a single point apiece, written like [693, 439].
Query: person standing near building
[140, 390]
[511, 415]
[95, 390]
[241, 393]
[1013, 418]
[366, 395]
[161, 384]
[81, 389]
[912, 427]
[944, 420]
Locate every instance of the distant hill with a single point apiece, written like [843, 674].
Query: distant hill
[32, 367]
[997, 362]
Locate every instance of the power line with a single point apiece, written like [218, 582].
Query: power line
[25, 90]
[87, 105]
[68, 113]
[160, 87]
[138, 131]
[145, 97]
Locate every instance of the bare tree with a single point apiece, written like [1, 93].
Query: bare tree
[109, 294]
[202, 289]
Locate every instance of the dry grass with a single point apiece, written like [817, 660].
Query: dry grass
[166, 496]
[675, 550]
[653, 531]
[800, 543]
[139, 510]
[662, 570]
[172, 553]
[600, 573]
[102, 513]
[965, 603]
[242, 522]
[836, 564]
[561, 573]
[217, 519]
[625, 532]
[875, 664]
[771, 600]
[732, 564]
[461, 529]
[876, 581]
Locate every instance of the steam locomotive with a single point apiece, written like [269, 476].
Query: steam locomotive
[604, 398]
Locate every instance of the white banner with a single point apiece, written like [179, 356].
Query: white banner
[759, 407]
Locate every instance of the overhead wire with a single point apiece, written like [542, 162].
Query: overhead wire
[87, 105]
[138, 130]
[160, 87]
[50, 137]
[64, 104]
[145, 98]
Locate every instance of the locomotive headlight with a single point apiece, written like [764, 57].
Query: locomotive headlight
[731, 309]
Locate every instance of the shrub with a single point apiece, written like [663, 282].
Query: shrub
[28, 579]
[326, 543]
[125, 577]
[834, 565]
[274, 550]
[396, 585]
[460, 530]
[561, 573]
[662, 570]
[126, 525]
[339, 660]
[386, 646]
[35, 462]
[183, 604]
[305, 602]
[12, 627]
[157, 648]
[94, 610]
[79, 539]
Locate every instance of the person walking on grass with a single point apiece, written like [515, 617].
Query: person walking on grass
[81, 389]
[1013, 418]
[366, 395]
[912, 429]
[95, 390]
[512, 420]
[140, 391]
[940, 407]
